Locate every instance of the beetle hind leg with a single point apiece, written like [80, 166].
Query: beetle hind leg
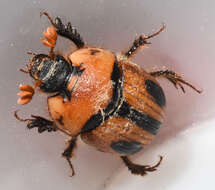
[140, 169]
[174, 78]
[68, 31]
[67, 154]
[38, 122]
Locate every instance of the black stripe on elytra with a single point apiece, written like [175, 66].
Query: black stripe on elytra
[142, 120]
[125, 147]
[156, 92]
[98, 118]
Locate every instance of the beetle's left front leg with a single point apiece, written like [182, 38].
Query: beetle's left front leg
[68, 31]
[68, 153]
[38, 122]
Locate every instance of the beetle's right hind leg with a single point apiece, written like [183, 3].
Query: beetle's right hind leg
[67, 31]
[139, 169]
[38, 122]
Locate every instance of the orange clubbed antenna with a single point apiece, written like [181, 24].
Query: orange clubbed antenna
[51, 38]
[26, 94]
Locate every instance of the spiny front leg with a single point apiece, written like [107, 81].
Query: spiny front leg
[174, 78]
[68, 153]
[141, 41]
[67, 31]
[140, 169]
[38, 122]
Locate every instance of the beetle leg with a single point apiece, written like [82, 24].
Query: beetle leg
[174, 78]
[141, 42]
[140, 169]
[38, 122]
[67, 31]
[68, 153]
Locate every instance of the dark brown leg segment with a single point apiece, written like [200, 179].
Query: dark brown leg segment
[38, 122]
[140, 169]
[141, 41]
[174, 78]
[68, 31]
[68, 153]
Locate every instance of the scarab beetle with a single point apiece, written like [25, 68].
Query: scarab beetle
[112, 103]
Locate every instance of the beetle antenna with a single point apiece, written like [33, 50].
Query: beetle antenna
[31, 53]
[26, 94]
[24, 71]
[51, 37]
[28, 69]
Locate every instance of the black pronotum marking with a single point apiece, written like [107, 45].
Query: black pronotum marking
[156, 92]
[125, 147]
[111, 108]
[94, 51]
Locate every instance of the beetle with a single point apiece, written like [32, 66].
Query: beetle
[103, 97]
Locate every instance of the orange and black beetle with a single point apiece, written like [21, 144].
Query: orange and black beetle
[112, 103]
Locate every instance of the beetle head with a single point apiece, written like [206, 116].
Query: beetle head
[52, 74]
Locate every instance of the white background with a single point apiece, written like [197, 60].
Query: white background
[32, 161]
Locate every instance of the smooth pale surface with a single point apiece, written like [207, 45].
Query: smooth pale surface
[188, 163]
[32, 161]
